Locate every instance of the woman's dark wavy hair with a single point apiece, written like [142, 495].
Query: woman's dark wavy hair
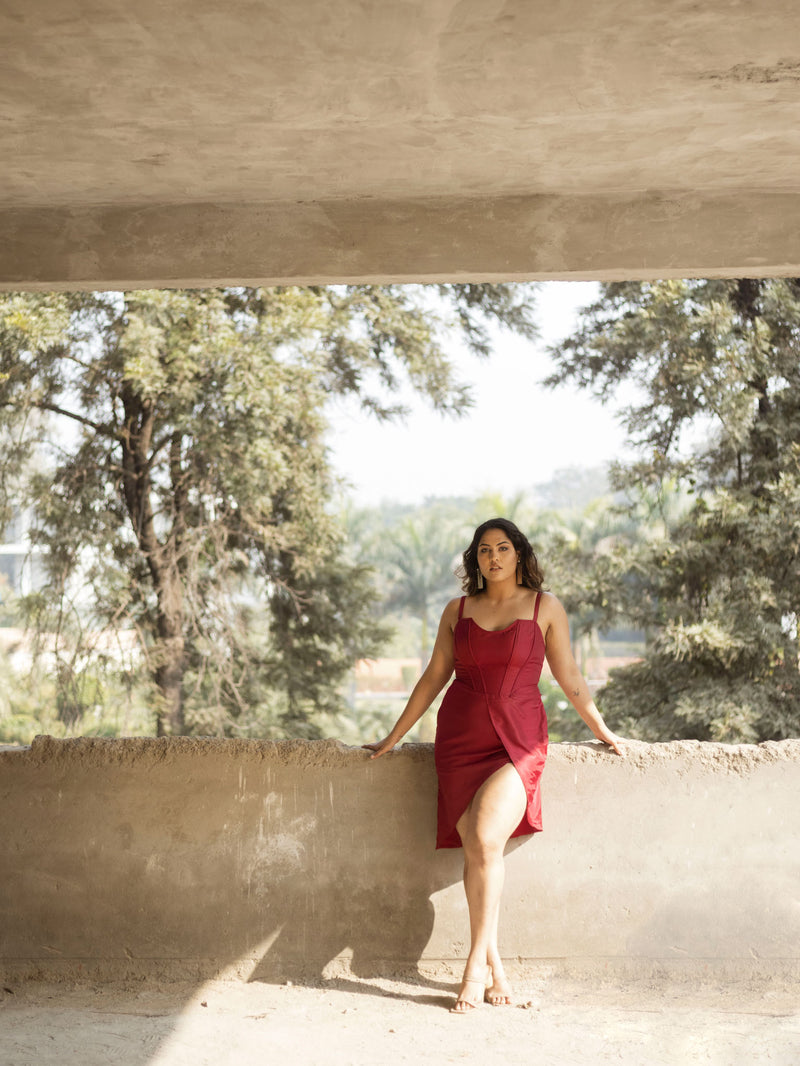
[530, 573]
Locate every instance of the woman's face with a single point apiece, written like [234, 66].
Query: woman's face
[497, 557]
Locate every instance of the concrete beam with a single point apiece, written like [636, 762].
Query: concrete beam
[192, 144]
[511, 238]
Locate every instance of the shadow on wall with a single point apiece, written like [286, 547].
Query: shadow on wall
[177, 857]
[197, 859]
[348, 887]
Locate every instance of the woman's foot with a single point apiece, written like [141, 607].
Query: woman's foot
[470, 995]
[498, 993]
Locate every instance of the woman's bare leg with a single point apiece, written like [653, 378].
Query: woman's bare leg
[493, 814]
[498, 993]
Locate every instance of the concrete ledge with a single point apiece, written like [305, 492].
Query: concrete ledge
[506, 238]
[197, 858]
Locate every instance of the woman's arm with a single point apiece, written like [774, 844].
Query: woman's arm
[566, 672]
[434, 678]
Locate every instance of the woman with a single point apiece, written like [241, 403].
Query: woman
[491, 733]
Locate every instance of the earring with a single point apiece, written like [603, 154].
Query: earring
[480, 580]
[519, 571]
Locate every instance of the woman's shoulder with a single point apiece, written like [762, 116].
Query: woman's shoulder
[451, 611]
[451, 615]
[550, 605]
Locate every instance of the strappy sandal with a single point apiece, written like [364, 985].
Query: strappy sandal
[468, 1002]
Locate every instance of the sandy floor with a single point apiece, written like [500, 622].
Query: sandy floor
[352, 1021]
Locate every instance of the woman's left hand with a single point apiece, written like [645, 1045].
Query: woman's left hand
[380, 747]
[614, 742]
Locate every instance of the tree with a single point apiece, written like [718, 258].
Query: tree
[183, 485]
[717, 365]
[421, 556]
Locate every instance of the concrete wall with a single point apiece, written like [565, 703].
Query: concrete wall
[197, 858]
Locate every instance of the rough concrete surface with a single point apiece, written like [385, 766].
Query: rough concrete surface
[381, 1022]
[176, 902]
[204, 858]
[194, 143]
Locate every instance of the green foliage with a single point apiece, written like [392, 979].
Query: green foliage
[414, 555]
[33, 700]
[717, 584]
[170, 446]
[563, 724]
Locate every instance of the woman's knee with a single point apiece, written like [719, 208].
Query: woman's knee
[482, 846]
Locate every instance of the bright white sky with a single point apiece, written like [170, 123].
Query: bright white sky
[515, 436]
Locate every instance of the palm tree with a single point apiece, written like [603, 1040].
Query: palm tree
[421, 554]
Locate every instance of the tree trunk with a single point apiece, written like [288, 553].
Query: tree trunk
[170, 720]
[169, 657]
[162, 560]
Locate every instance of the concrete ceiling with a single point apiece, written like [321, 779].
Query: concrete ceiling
[191, 142]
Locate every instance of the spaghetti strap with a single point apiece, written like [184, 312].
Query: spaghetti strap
[536, 608]
[461, 607]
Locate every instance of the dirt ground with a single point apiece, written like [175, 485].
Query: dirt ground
[353, 1021]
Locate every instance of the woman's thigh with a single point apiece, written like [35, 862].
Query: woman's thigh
[496, 809]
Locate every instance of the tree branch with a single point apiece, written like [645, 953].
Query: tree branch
[103, 429]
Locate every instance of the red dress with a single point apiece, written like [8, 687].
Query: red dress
[492, 714]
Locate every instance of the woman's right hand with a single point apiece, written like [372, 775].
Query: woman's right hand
[434, 678]
[379, 747]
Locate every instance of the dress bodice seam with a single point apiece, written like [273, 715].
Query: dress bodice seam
[505, 629]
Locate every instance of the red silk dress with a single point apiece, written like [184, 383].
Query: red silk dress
[492, 714]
